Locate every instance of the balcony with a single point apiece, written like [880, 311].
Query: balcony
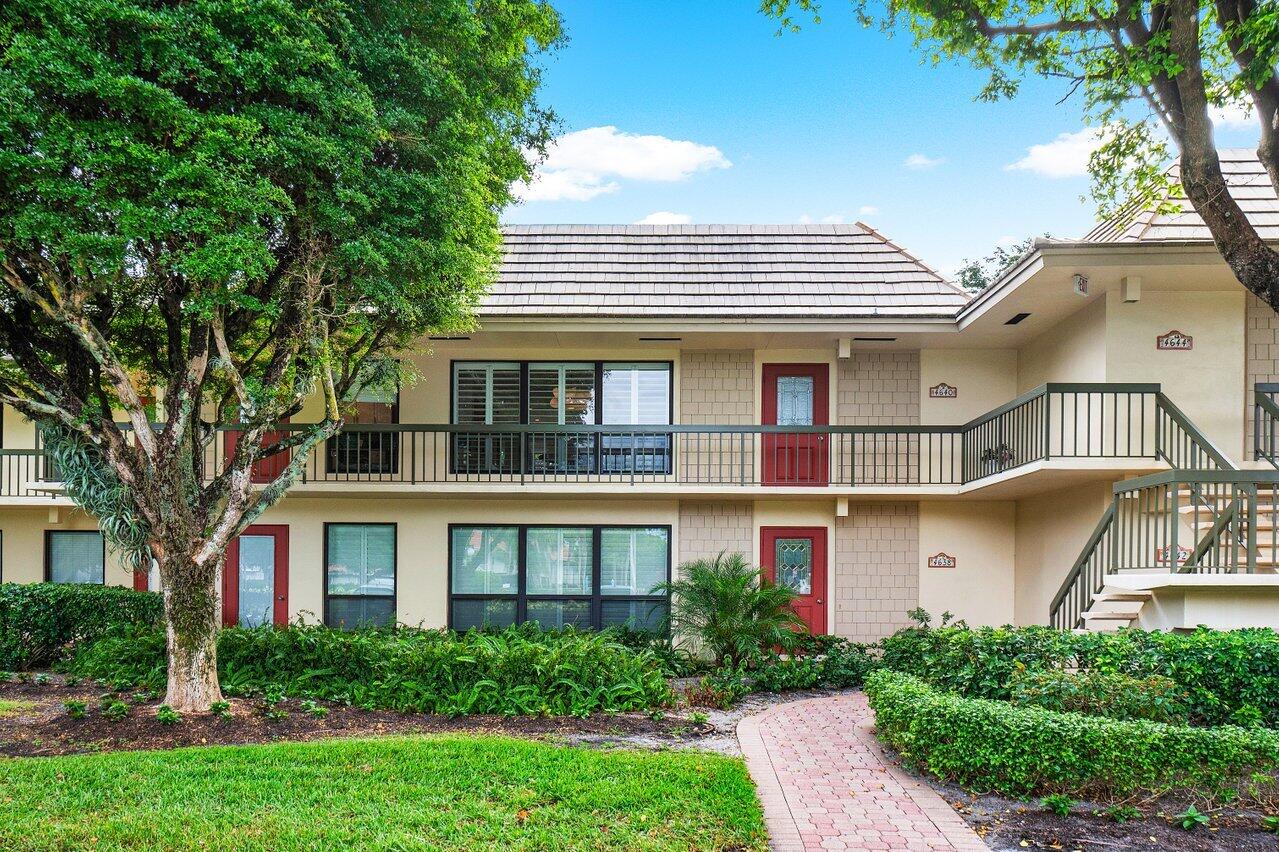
[1105, 426]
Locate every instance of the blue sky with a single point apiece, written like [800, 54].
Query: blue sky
[737, 124]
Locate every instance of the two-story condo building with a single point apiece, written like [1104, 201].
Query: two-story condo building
[1087, 442]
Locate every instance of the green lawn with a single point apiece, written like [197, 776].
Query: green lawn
[450, 792]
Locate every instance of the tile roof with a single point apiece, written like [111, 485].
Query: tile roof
[1137, 222]
[650, 271]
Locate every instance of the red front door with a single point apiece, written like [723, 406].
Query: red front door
[264, 469]
[255, 580]
[795, 557]
[795, 395]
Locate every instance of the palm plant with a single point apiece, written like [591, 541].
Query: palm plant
[731, 609]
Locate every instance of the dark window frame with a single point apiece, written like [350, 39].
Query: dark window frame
[395, 569]
[526, 461]
[596, 598]
[48, 551]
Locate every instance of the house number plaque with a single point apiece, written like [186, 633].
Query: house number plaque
[943, 560]
[1175, 341]
[943, 391]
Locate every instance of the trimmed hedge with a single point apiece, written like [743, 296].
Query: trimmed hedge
[519, 671]
[41, 622]
[1230, 677]
[1115, 696]
[992, 746]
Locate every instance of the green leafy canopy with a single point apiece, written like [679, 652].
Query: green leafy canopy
[222, 206]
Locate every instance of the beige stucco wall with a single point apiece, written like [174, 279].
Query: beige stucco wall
[22, 542]
[979, 535]
[985, 378]
[1074, 350]
[1206, 382]
[1051, 530]
[422, 539]
[18, 432]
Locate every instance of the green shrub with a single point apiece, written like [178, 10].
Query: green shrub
[831, 662]
[516, 671]
[41, 622]
[1230, 677]
[1115, 696]
[1021, 751]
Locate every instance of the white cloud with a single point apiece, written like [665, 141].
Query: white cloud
[665, 217]
[1007, 241]
[921, 161]
[1233, 116]
[868, 210]
[833, 219]
[587, 163]
[1065, 156]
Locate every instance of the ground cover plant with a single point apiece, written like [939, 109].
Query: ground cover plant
[515, 671]
[990, 745]
[40, 622]
[455, 792]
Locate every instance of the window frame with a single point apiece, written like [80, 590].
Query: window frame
[395, 569]
[526, 462]
[48, 552]
[595, 597]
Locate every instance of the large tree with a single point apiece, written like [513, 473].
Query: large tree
[214, 209]
[1145, 70]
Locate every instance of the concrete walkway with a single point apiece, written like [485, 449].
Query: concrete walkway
[825, 783]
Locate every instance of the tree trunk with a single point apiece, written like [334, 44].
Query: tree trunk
[191, 629]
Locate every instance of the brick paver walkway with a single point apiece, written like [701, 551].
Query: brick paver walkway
[825, 783]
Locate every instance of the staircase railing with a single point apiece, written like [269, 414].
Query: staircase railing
[1265, 423]
[1143, 526]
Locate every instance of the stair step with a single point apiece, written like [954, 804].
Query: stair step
[1141, 595]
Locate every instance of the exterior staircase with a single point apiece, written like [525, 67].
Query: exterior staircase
[1204, 516]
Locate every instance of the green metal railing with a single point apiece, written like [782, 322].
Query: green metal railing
[1265, 423]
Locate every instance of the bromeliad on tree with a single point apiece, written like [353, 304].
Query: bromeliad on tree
[1145, 69]
[220, 207]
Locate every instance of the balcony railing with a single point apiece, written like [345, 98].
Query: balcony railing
[1054, 421]
[22, 472]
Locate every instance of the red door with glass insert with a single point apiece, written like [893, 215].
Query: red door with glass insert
[255, 579]
[795, 557]
[795, 395]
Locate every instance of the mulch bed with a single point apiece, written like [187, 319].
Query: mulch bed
[47, 729]
[1008, 824]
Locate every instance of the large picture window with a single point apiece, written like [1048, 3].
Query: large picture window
[555, 394]
[74, 556]
[557, 576]
[359, 575]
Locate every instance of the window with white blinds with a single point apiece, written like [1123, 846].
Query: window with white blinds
[74, 556]
[486, 392]
[637, 394]
[561, 394]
